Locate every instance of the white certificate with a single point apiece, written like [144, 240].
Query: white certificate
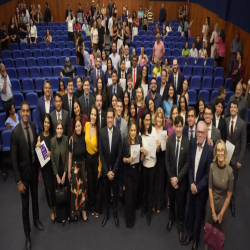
[161, 136]
[41, 154]
[128, 64]
[135, 153]
[110, 81]
[151, 147]
[123, 84]
[230, 149]
[203, 28]
[145, 89]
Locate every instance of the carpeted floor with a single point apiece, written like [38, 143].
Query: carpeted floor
[81, 235]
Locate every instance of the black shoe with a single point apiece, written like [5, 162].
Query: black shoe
[116, 222]
[39, 225]
[148, 220]
[87, 220]
[187, 240]
[104, 221]
[28, 243]
[63, 223]
[142, 213]
[169, 226]
[195, 246]
[180, 237]
[232, 207]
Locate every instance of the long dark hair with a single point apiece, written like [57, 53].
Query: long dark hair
[73, 113]
[125, 92]
[136, 117]
[222, 35]
[77, 119]
[59, 89]
[50, 123]
[186, 106]
[166, 96]
[145, 113]
[197, 106]
[128, 137]
[146, 78]
[9, 106]
[114, 94]
[109, 59]
[97, 122]
[147, 104]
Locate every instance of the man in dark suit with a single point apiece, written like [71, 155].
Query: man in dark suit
[24, 162]
[177, 160]
[122, 72]
[190, 129]
[60, 114]
[236, 134]
[201, 156]
[110, 149]
[101, 113]
[176, 77]
[221, 95]
[162, 14]
[45, 104]
[86, 100]
[213, 134]
[114, 88]
[163, 84]
[95, 73]
[127, 57]
[135, 71]
[68, 99]
[130, 89]
[218, 121]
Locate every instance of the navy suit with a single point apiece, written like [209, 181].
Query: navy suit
[180, 81]
[93, 79]
[186, 130]
[197, 202]
[40, 112]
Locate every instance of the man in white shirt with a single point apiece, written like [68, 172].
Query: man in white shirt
[194, 52]
[162, 86]
[110, 25]
[115, 57]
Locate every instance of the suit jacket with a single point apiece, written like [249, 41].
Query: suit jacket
[110, 159]
[180, 81]
[123, 128]
[221, 127]
[238, 140]
[103, 118]
[120, 76]
[130, 59]
[65, 105]
[183, 164]
[138, 72]
[133, 95]
[40, 111]
[186, 130]
[215, 134]
[93, 79]
[56, 151]
[65, 119]
[159, 88]
[19, 153]
[119, 93]
[138, 83]
[83, 104]
[203, 170]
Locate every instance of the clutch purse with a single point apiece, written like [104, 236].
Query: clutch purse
[61, 195]
[213, 237]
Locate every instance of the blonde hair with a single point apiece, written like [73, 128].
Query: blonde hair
[142, 99]
[159, 111]
[225, 152]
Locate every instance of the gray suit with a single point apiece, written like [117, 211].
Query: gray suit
[123, 128]
[239, 141]
[65, 119]
[215, 134]
[83, 104]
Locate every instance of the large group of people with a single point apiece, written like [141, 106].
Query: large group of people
[123, 136]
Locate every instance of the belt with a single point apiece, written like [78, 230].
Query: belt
[11, 99]
[90, 156]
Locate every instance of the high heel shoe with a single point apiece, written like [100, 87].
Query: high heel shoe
[63, 223]
[87, 220]
[53, 219]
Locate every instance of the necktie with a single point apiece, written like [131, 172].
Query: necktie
[110, 140]
[176, 158]
[118, 124]
[113, 90]
[70, 107]
[29, 143]
[58, 116]
[175, 82]
[232, 129]
[97, 74]
[134, 79]
[191, 137]
[87, 105]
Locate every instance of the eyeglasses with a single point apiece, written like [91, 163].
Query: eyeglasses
[200, 132]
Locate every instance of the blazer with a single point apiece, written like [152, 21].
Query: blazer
[123, 128]
[215, 134]
[40, 111]
[19, 153]
[103, 118]
[56, 151]
[203, 170]
[238, 140]
[65, 119]
[110, 159]
[119, 93]
[186, 130]
[158, 90]
[120, 76]
[183, 164]
[65, 105]
[129, 58]
[180, 81]
[93, 79]
[221, 127]
[83, 104]
[138, 72]
[133, 95]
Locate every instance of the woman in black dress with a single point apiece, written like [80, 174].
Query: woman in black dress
[13, 30]
[47, 170]
[77, 172]
[133, 116]
[132, 174]
[59, 158]
[79, 55]
[200, 109]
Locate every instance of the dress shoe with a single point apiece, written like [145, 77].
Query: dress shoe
[87, 219]
[180, 237]
[28, 243]
[142, 213]
[116, 222]
[187, 240]
[195, 246]
[39, 225]
[148, 220]
[232, 207]
[104, 221]
[169, 226]
[63, 223]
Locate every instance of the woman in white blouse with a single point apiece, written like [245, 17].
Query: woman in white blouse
[32, 32]
[70, 24]
[148, 134]
[94, 35]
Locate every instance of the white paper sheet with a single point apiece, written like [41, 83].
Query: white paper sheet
[41, 154]
[161, 136]
[123, 84]
[128, 65]
[151, 147]
[110, 81]
[135, 153]
[230, 149]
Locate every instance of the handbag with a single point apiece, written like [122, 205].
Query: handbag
[213, 237]
[216, 55]
[61, 194]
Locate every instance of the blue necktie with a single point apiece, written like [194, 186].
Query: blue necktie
[191, 137]
[118, 124]
[176, 158]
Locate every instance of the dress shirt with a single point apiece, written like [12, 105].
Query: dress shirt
[47, 105]
[33, 31]
[59, 115]
[167, 107]
[217, 121]
[8, 93]
[197, 158]
[175, 82]
[209, 133]
[176, 143]
[194, 53]
[114, 87]
[110, 133]
[235, 120]
[70, 24]
[100, 117]
[189, 132]
[110, 25]
[99, 72]
[70, 99]
[130, 94]
[115, 60]
[162, 89]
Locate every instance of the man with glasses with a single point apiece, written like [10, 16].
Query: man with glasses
[135, 71]
[201, 156]
[156, 96]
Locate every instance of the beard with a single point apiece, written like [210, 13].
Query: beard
[153, 91]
